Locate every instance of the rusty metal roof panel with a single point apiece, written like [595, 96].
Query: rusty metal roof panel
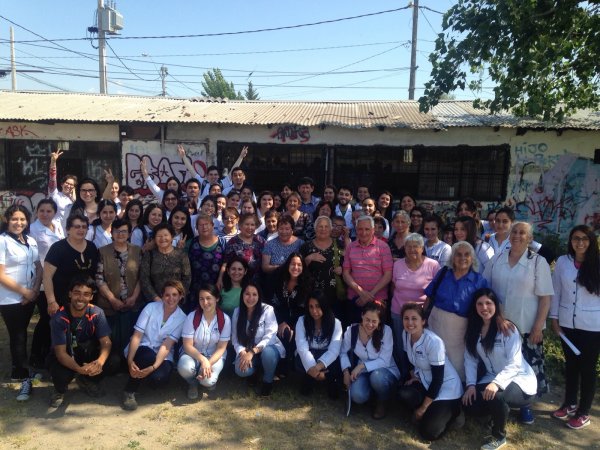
[94, 108]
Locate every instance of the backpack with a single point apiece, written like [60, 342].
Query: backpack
[220, 319]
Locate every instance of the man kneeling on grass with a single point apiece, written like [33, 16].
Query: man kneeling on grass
[81, 343]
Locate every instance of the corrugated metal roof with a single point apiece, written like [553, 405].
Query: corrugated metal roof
[74, 107]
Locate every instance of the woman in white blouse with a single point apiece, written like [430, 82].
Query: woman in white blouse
[100, 229]
[318, 342]
[205, 334]
[255, 339]
[433, 390]
[523, 283]
[508, 382]
[46, 230]
[150, 350]
[367, 359]
[20, 279]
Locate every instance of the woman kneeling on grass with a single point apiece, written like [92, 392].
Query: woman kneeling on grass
[318, 343]
[205, 334]
[255, 333]
[509, 382]
[150, 351]
[434, 388]
[366, 359]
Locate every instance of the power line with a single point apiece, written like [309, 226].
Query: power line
[45, 83]
[431, 9]
[121, 61]
[229, 33]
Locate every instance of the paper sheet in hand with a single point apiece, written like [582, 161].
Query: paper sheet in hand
[570, 344]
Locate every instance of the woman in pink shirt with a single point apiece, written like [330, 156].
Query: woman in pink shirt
[410, 276]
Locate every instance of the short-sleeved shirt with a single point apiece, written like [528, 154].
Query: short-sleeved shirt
[367, 264]
[207, 336]
[455, 296]
[154, 332]
[409, 285]
[252, 253]
[19, 261]
[92, 325]
[279, 252]
[69, 264]
[519, 287]
[230, 300]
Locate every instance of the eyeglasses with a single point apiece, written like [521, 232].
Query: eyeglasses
[68, 184]
[229, 217]
[88, 191]
[580, 239]
[337, 226]
[121, 232]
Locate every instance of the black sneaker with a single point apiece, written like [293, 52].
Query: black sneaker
[57, 399]
[266, 389]
[89, 387]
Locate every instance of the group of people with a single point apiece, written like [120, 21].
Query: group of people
[396, 306]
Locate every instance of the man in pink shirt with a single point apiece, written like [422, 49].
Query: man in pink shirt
[367, 267]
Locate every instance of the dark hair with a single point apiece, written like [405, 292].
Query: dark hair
[9, 213]
[423, 212]
[47, 201]
[233, 192]
[174, 284]
[163, 226]
[332, 187]
[192, 180]
[377, 307]
[286, 185]
[286, 219]
[508, 211]
[305, 281]
[165, 194]
[187, 228]
[346, 188]
[475, 322]
[76, 216]
[388, 210]
[247, 334]
[245, 216]
[406, 194]
[320, 205]
[209, 198]
[263, 194]
[151, 207]
[469, 203]
[327, 322]
[131, 204]
[103, 204]
[306, 180]
[379, 221]
[67, 177]
[434, 218]
[78, 203]
[82, 280]
[118, 223]
[217, 185]
[227, 284]
[211, 168]
[176, 180]
[237, 169]
[273, 213]
[588, 274]
[471, 226]
[212, 289]
[412, 306]
[231, 210]
[128, 189]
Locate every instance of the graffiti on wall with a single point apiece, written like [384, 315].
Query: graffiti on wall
[16, 131]
[160, 165]
[286, 133]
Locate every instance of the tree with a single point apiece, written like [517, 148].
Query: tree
[542, 55]
[251, 93]
[215, 85]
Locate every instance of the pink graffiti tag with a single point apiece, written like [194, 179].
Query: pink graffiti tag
[14, 131]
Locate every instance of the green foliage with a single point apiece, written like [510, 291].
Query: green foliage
[251, 93]
[541, 55]
[215, 85]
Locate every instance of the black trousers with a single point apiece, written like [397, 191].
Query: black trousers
[84, 353]
[145, 357]
[16, 318]
[40, 343]
[580, 371]
[499, 406]
[438, 416]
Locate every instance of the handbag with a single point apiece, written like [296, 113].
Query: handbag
[340, 286]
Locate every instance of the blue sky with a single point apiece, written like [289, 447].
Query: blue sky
[376, 49]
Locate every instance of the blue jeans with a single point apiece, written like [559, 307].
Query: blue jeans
[188, 369]
[380, 381]
[268, 359]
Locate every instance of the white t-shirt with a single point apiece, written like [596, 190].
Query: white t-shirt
[440, 251]
[45, 237]
[207, 336]
[19, 264]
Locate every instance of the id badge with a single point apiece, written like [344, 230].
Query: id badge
[73, 341]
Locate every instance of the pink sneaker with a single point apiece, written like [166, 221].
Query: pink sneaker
[578, 422]
[565, 412]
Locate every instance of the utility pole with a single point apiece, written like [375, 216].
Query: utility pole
[102, 49]
[413, 51]
[163, 75]
[13, 67]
